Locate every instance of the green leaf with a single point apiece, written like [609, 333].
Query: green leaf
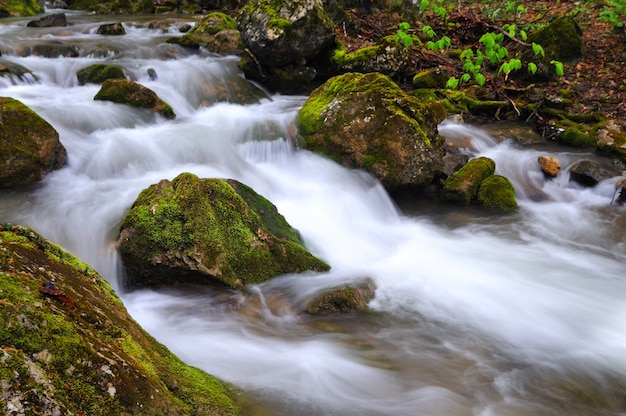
[424, 5]
[558, 66]
[480, 78]
[407, 41]
[431, 45]
[515, 64]
[467, 53]
[523, 35]
[505, 67]
[465, 77]
[404, 26]
[452, 83]
[532, 68]
[538, 49]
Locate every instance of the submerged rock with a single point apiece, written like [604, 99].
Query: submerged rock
[98, 73]
[366, 121]
[123, 91]
[192, 230]
[69, 346]
[344, 299]
[29, 145]
[284, 40]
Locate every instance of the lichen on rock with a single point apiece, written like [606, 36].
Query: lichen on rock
[212, 231]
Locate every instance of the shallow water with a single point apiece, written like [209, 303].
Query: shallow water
[474, 314]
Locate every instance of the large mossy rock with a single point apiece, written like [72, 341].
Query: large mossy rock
[366, 121]
[29, 145]
[69, 347]
[15, 8]
[462, 187]
[98, 73]
[282, 32]
[286, 43]
[192, 230]
[124, 91]
[561, 40]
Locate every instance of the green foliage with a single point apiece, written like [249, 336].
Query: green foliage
[614, 12]
[403, 36]
[496, 54]
[436, 6]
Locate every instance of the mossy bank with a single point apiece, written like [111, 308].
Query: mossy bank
[68, 345]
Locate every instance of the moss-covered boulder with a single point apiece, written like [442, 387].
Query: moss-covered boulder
[124, 91]
[345, 299]
[462, 186]
[69, 347]
[15, 8]
[217, 32]
[282, 32]
[497, 193]
[365, 121]
[98, 73]
[387, 57]
[29, 145]
[192, 230]
[561, 40]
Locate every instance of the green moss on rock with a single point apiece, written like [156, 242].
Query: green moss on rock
[366, 121]
[78, 351]
[462, 186]
[98, 73]
[15, 8]
[29, 145]
[497, 193]
[123, 91]
[205, 230]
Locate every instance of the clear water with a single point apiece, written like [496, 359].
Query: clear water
[474, 314]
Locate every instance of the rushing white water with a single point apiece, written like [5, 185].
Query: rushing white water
[474, 314]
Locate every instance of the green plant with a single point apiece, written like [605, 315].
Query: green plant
[436, 6]
[403, 36]
[435, 45]
[614, 12]
[494, 51]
